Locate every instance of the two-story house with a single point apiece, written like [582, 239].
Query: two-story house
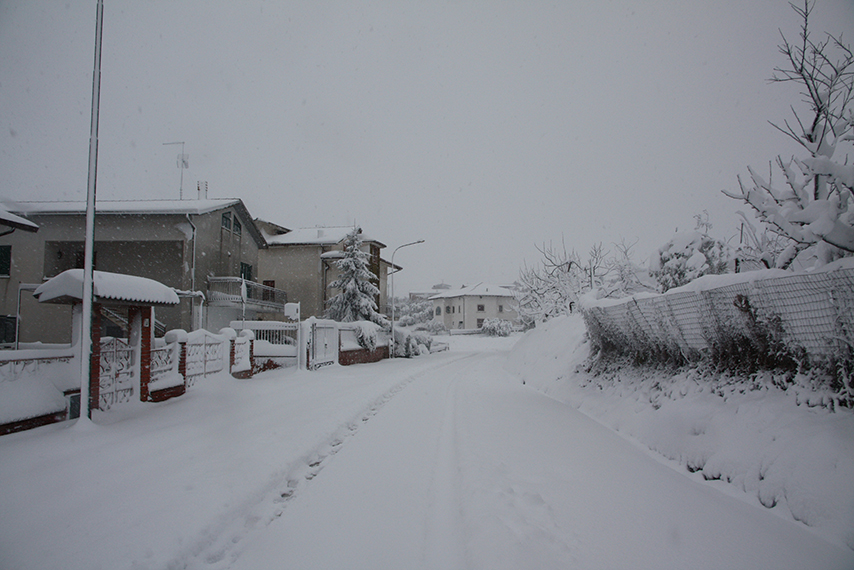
[206, 249]
[302, 262]
[469, 307]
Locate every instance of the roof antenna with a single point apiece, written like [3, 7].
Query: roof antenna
[183, 162]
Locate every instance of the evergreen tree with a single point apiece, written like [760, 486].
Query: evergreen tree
[355, 300]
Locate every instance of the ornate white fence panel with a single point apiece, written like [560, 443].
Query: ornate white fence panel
[116, 372]
[162, 362]
[205, 356]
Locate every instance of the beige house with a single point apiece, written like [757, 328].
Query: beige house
[205, 249]
[469, 307]
[302, 262]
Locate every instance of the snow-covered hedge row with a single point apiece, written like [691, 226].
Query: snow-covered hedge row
[497, 327]
[764, 439]
[762, 320]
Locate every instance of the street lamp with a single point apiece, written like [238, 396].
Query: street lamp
[391, 341]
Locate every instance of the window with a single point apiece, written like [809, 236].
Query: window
[237, 227]
[438, 311]
[246, 271]
[500, 308]
[447, 310]
[480, 323]
[480, 309]
[226, 220]
[266, 294]
[5, 260]
[7, 329]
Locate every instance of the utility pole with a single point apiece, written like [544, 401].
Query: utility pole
[89, 242]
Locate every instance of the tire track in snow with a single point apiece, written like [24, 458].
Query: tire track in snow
[219, 547]
[443, 547]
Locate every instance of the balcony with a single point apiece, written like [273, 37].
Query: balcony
[237, 292]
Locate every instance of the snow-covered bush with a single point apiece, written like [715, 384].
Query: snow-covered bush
[408, 343]
[367, 334]
[814, 209]
[685, 257]
[432, 327]
[497, 327]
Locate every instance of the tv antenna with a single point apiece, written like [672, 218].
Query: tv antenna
[183, 162]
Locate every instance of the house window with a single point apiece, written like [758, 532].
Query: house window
[480, 323]
[246, 271]
[438, 311]
[267, 294]
[500, 308]
[480, 309]
[7, 329]
[226, 220]
[5, 260]
[237, 227]
[447, 310]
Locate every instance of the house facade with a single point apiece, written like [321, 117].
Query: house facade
[469, 307]
[302, 262]
[205, 249]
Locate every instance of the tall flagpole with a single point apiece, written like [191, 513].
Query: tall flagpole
[88, 269]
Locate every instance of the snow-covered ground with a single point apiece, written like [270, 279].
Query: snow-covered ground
[760, 445]
[443, 461]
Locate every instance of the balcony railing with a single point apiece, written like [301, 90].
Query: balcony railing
[235, 292]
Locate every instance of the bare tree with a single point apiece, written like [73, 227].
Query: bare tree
[813, 209]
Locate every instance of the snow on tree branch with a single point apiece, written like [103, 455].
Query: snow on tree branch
[814, 208]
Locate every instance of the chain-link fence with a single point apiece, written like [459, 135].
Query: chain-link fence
[796, 320]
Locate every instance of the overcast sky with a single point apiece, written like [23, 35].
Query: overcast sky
[484, 128]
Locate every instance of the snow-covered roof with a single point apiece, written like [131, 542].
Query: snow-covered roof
[480, 290]
[68, 287]
[128, 206]
[144, 207]
[329, 235]
[7, 218]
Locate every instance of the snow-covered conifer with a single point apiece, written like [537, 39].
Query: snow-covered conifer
[355, 299]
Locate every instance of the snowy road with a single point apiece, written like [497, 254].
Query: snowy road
[466, 468]
[441, 462]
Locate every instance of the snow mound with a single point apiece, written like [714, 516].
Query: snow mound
[794, 459]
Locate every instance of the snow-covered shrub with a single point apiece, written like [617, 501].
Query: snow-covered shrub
[497, 327]
[685, 257]
[409, 343]
[432, 327]
[367, 334]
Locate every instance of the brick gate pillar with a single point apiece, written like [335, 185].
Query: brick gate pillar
[95, 360]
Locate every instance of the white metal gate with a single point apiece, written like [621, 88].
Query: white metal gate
[116, 374]
[323, 345]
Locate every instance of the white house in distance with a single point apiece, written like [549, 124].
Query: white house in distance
[468, 307]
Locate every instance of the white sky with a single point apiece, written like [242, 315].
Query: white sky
[484, 128]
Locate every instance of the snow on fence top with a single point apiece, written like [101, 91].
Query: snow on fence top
[766, 311]
[68, 286]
